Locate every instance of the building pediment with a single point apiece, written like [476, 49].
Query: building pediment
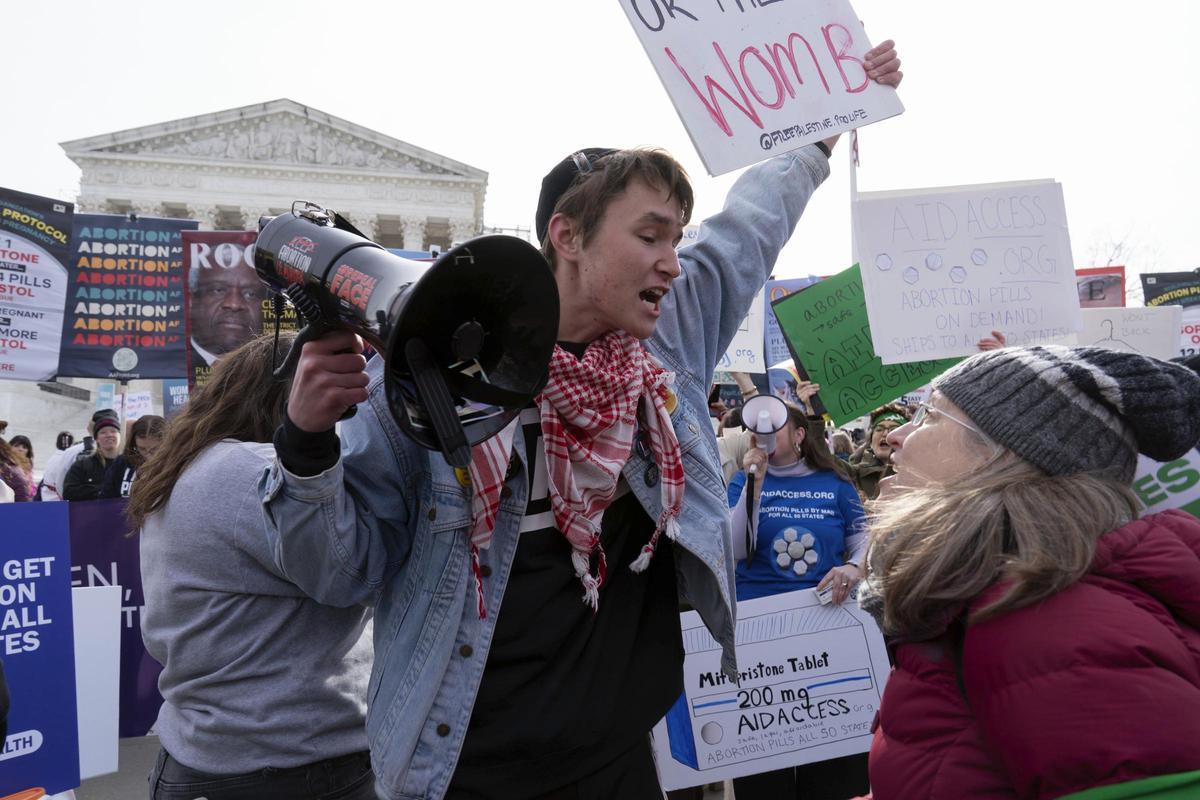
[283, 133]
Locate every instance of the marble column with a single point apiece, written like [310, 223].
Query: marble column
[367, 222]
[209, 217]
[91, 205]
[462, 229]
[414, 233]
[146, 209]
[250, 216]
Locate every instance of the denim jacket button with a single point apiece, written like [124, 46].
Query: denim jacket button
[443, 729]
[485, 570]
[651, 476]
[466, 651]
[432, 514]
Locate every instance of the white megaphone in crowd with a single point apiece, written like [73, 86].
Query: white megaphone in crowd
[466, 340]
[764, 415]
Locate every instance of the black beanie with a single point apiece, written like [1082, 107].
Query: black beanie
[559, 179]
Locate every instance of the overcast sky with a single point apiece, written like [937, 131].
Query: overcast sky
[1097, 95]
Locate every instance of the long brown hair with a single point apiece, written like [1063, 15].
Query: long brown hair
[148, 425]
[240, 401]
[10, 455]
[813, 449]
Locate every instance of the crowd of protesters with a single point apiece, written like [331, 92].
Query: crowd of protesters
[1045, 634]
[94, 468]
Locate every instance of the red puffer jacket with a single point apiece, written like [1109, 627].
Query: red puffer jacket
[1098, 684]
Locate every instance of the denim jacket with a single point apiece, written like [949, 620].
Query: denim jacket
[387, 524]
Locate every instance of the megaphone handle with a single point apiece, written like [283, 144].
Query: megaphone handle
[311, 331]
[305, 334]
[435, 396]
[750, 548]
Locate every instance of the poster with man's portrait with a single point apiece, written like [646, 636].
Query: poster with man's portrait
[226, 303]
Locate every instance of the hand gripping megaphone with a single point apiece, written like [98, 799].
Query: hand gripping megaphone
[764, 415]
[466, 341]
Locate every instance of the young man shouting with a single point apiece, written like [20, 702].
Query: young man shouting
[526, 632]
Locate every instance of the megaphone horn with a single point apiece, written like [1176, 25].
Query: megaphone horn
[466, 341]
[765, 415]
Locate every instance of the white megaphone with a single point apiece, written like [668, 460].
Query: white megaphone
[764, 415]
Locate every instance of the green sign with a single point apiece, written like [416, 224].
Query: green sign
[1172, 484]
[826, 329]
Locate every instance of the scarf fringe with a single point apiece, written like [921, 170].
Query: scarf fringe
[669, 526]
[640, 563]
[582, 561]
[591, 592]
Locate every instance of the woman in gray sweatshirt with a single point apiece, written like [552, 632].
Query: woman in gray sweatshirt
[264, 689]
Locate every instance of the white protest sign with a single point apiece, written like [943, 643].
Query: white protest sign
[750, 80]
[811, 680]
[1149, 331]
[97, 620]
[943, 268]
[745, 353]
[1189, 332]
[916, 396]
[138, 404]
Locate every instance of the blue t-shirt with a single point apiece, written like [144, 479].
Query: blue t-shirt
[803, 522]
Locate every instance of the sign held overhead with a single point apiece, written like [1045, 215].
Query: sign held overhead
[753, 80]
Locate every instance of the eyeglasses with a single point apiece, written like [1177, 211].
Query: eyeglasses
[922, 414]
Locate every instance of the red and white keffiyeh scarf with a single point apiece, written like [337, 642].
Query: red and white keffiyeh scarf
[589, 414]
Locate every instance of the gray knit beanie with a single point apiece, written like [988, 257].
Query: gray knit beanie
[1079, 409]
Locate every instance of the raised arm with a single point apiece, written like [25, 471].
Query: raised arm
[737, 248]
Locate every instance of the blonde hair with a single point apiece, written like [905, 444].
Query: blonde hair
[936, 548]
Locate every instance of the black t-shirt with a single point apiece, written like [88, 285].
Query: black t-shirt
[566, 690]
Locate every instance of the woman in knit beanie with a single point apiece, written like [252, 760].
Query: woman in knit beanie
[1046, 639]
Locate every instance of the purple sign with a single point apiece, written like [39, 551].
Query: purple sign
[102, 554]
[775, 346]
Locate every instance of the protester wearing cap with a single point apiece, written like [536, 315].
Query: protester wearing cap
[872, 462]
[527, 629]
[56, 467]
[85, 479]
[1046, 639]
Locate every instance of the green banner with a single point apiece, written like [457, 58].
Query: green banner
[826, 329]
[1169, 484]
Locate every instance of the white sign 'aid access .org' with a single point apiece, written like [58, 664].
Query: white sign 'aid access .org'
[811, 680]
[753, 80]
[943, 268]
[745, 353]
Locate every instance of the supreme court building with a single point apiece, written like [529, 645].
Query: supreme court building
[228, 168]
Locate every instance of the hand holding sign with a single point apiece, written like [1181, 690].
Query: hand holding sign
[750, 80]
[883, 65]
